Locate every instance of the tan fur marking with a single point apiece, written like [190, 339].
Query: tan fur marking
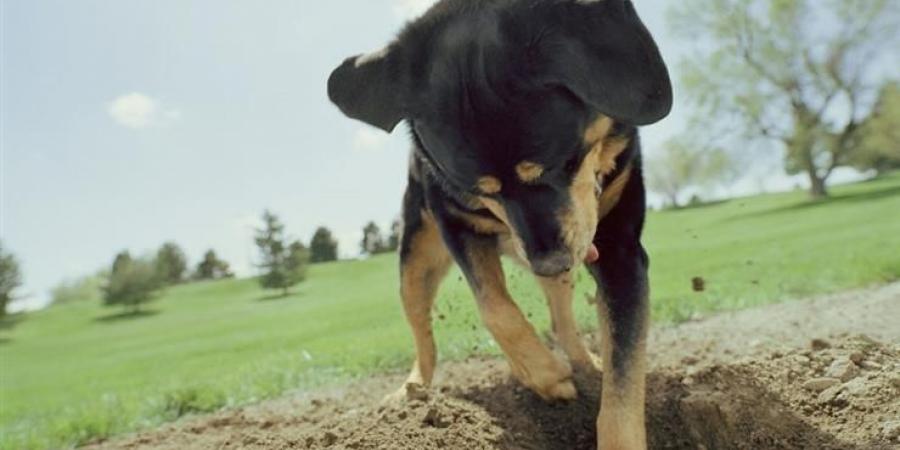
[611, 195]
[530, 361]
[620, 424]
[598, 130]
[420, 276]
[558, 291]
[529, 172]
[612, 148]
[489, 185]
[481, 224]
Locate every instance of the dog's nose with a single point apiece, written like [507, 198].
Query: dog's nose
[552, 263]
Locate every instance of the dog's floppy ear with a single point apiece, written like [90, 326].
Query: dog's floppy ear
[366, 88]
[605, 56]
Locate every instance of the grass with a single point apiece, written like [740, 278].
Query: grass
[79, 372]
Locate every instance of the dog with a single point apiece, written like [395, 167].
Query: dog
[523, 116]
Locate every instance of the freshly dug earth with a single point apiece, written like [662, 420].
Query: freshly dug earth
[816, 374]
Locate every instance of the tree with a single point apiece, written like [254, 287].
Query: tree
[682, 164]
[131, 283]
[86, 288]
[171, 263]
[880, 134]
[10, 278]
[771, 66]
[212, 268]
[323, 247]
[393, 242]
[372, 242]
[284, 266]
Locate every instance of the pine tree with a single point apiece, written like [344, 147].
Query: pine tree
[284, 266]
[323, 247]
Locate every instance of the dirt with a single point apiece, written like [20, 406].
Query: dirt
[814, 374]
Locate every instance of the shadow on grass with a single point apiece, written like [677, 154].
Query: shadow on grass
[124, 316]
[10, 321]
[278, 297]
[840, 199]
[5, 340]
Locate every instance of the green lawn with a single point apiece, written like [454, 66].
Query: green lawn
[74, 373]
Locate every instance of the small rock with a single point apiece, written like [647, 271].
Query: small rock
[690, 360]
[329, 439]
[871, 365]
[435, 419]
[819, 344]
[415, 391]
[820, 384]
[891, 430]
[828, 396]
[857, 357]
[688, 381]
[842, 369]
[856, 387]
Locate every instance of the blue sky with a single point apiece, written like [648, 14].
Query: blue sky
[129, 123]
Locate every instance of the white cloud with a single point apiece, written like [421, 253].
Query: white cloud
[137, 110]
[369, 139]
[410, 9]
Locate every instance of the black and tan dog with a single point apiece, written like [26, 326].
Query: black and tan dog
[523, 116]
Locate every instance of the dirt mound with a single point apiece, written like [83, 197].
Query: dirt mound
[710, 387]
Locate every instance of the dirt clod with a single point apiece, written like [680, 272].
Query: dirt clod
[820, 384]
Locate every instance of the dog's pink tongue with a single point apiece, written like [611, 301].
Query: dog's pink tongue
[592, 254]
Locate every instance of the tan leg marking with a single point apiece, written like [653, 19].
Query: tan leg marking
[420, 277]
[621, 425]
[530, 361]
[558, 291]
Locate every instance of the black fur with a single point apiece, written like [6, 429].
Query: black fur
[486, 84]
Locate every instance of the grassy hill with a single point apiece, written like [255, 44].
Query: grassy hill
[78, 372]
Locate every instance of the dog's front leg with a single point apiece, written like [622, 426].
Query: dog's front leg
[530, 360]
[621, 275]
[558, 291]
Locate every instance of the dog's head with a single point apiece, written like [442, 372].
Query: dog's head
[507, 99]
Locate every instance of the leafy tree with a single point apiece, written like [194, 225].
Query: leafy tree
[770, 66]
[87, 288]
[212, 268]
[393, 242]
[131, 283]
[683, 164]
[171, 263]
[372, 242]
[284, 265]
[10, 278]
[323, 247]
[880, 134]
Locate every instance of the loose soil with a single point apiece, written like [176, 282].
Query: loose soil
[814, 374]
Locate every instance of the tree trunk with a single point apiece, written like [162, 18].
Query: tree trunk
[817, 188]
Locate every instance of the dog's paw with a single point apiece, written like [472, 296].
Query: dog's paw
[552, 381]
[407, 393]
[588, 363]
[562, 390]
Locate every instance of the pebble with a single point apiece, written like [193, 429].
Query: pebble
[829, 396]
[820, 384]
[857, 357]
[871, 365]
[842, 369]
[891, 429]
[819, 344]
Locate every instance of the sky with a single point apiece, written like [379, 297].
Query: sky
[130, 123]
